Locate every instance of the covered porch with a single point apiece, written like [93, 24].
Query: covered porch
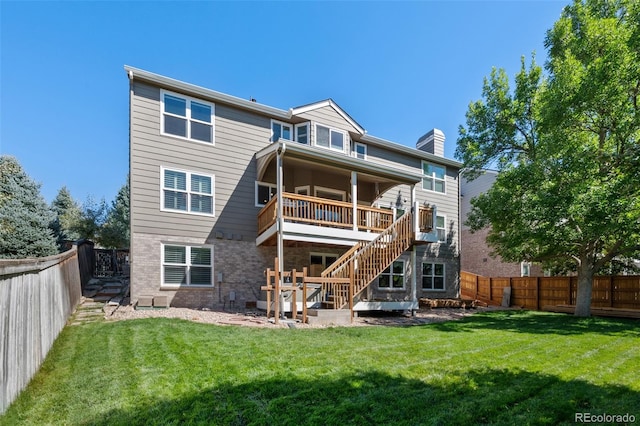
[330, 198]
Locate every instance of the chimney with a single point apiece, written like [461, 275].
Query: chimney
[432, 142]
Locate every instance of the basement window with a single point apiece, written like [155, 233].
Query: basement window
[392, 278]
[185, 265]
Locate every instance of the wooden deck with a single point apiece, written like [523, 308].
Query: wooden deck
[336, 214]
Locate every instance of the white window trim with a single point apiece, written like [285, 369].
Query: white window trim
[391, 275]
[445, 227]
[444, 277]
[188, 118]
[343, 194]
[444, 180]
[258, 183]
[522, 269]
[282, 123]
[188, 191]
[188, 264]
[355, 149]
[345, 139]
[295, 132]
[304, 187]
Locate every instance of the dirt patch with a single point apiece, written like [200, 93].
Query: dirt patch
[257, 318]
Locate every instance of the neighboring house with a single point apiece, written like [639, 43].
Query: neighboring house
[206, 170]
[475, 254]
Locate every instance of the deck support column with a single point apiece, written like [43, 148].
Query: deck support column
[279, 230]
[354, 199]
[414, 280]
[414, 266]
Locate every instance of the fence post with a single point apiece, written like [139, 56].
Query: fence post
[476, 296]
[537, 293]
[569, 292]
[611, 291]
[490, 288]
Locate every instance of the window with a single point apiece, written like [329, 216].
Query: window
[433, 276]
[187, 192]
[186, 117]
[441, 229]
[318, 262]
[280, 131]
[525, 269]
[433, 179]
[329, 193]
[264, 192]
[360, 151]
[393, 276]
[187, 265]
[303, 190]
[302, 133]
[329, 138]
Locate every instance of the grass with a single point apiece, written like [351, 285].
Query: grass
[509, 367]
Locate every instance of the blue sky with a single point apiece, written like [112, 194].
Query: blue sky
[398, 68]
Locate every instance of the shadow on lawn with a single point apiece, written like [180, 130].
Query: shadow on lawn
[541, 323]
[372, 397]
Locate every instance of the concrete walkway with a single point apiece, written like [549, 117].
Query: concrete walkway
[96, 296]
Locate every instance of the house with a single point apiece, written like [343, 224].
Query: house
[475, 253]
[222, 186]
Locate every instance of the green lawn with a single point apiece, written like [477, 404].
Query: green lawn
[505, 367]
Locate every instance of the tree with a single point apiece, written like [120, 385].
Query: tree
[567, 147]
[24, 215]
[115, 232]
[67, 215]
[92, 218]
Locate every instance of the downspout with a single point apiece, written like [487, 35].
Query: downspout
[131, 177]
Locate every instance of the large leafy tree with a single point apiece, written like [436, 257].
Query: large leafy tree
[67, 215]
[115, 232]
[24, 215]
[567, 146]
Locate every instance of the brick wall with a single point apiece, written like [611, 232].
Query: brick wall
[242, 265]
[476, 258]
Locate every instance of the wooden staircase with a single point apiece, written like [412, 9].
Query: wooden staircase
[365, 261]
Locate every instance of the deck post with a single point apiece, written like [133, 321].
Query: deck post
[304, 295]
[352, 279]
[268, 287]
[278, 274]
[354, 199]
[294, 306]
[414, 280]
[279, 230]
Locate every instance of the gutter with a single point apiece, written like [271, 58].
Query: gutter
[203, 93]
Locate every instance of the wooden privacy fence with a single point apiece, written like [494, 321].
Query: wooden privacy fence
[621, 291]
[37, 296]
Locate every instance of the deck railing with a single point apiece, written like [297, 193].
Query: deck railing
[425, 219]
[323, 212]
[365, 261]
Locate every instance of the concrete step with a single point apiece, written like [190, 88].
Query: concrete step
[328, 316]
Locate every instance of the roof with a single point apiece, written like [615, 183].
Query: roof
[201, 92]
[329, 102]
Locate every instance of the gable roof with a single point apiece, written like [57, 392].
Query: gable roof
[330, 103]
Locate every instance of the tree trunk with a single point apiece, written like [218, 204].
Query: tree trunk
[585, 285]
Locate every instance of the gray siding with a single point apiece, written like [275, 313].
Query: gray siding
[471, 189]
[328, 116]
[238, 135]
